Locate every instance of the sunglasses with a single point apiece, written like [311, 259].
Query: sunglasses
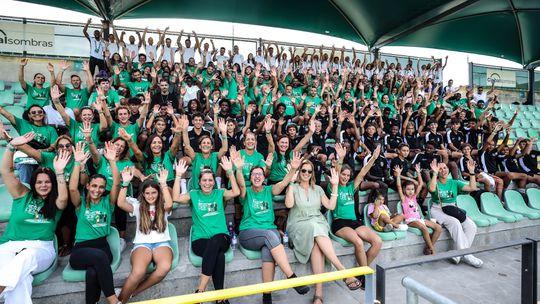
[66, 146]
[36, 112]
[257, 174]
[306, 171]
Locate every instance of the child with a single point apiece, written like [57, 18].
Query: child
[411, 211]
[381, 219]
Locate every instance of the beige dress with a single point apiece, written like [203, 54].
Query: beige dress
[306, 221]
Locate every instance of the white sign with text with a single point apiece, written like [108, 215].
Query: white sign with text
[33, 38]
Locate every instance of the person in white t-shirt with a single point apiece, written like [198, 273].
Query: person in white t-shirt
[188, 51]
[168, 51]
[131, 47]
[481, 95]
[206, 54]
[97, 48]
[149, 47]
[152, 239]
[221, 57]
[270, 57]
[237, 58]
[259, 58]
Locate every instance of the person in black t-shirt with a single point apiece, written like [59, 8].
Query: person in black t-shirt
[491, 182]
[164, 97]
[392, 141]
[197, 132]
[472, 133]
[425, 159]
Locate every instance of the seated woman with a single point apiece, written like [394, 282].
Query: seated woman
[257, 229]
[210, 237]
[28, 246]
[444, 192]
[91, 251]
[308, 229]
[152, 240]
[345, 222]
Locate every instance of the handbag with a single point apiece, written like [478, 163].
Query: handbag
[452, 210]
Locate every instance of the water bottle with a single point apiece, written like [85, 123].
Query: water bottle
[234, 241]
[231, 230]
[286, 240]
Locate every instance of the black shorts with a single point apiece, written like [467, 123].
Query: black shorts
[337, 224]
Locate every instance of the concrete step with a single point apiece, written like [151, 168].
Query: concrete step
[242, 271]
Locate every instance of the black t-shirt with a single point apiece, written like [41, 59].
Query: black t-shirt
[436, 137]
[529, 163]
[262, 144]
[414, 141]
[319, 140]
[511, 164]
[194, 139]
[425, 159]
[489, 161]
[456, 139]
[463, 167]
[404, 164]
[392, 142]
[471, 136]
[163, 100]
[370, 141]
[379, 168]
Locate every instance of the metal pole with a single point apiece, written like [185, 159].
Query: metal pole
[421, 290]
[369, 295]
[381, 283]
[530, 95]
[528, 275]
[412, 298]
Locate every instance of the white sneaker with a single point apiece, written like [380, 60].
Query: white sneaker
[403, 227]
[456, 260]
[473, 261]
[122, 244]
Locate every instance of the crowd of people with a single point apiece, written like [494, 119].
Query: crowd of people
[315, 127]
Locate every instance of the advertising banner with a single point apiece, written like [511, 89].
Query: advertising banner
[501, 78]
[17, 37]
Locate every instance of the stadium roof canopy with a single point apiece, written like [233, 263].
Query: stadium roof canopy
[500, 28]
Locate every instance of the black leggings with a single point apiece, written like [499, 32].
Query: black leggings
[93, 62]
[95, 257]
[120, 219]
[212, 252]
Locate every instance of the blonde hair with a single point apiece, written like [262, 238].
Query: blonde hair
[307, 162]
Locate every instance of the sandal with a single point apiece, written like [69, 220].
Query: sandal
[64, 250]
[362, 280]
[317, 298]
[427, 251]
[353, 285]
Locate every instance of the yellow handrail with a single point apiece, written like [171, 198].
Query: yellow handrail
[262, 287]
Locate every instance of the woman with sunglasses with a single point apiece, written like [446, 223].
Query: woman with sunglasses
[307, 227]
[257, 229]
[37, 93]
[209, 236]
[34, 120]
[94, 211]
[28, 240]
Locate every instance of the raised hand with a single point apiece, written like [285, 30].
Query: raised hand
[296, 160]
[24, 139]
[312, 126]
[181, 167]
[61, 160]
[110, 151]
[87, 129]
[127, 174]
[268, 124]
[334, 177]
[55, 93]
[124, 134]
[50, 67]
[417, 168]
[397, 171]
[23, 62]
[226, 163]
[162, 176]
[340, 151]
[79, 155]
[471, 166]
[269, 160]
[377, 151]
[434, 166]
[222, 125]
[64, 65]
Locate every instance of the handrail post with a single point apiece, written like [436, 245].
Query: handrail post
[528, 273]
[369, 295]
[381, 283]
[412, 297]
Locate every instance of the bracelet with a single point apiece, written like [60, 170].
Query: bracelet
[178, 176]
[230, 172]
[77, 163]
[334, 194]
[163, 185]
[268, 132]
[11, 148]
[124, 187]
[60, 174]
[125, 184]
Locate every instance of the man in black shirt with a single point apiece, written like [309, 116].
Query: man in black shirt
[197, 132]
[164, 97]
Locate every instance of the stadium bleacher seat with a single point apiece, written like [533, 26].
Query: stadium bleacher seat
[16, 88]
[22, 101]
[40, 277]
[5, 199]
[521, 133]
[491, 205]
[533, 133]
[526, 124]
[467, 203]
[533, 194]
[334, 237]
[516, 203]
[2, 85]
[250, 254]
[17, 111]
[6, 98]
[174, 244]
[71, 275]
[385, 236]
[412, 229]
[197, 260]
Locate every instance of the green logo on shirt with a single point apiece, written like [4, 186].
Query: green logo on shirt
[96, 218]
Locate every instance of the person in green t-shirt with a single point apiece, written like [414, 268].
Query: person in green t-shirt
[76, 96]
[209, 236]
[345, 222]
[104, 93]
[444, 192]
[94, 212]
[27, 244]
[137, 85]
[257, 229]
[37, 93]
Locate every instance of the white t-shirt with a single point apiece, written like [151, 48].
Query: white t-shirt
[167, 55]
[191, 93]
[54, 118]
[478, 97]
[260, 59]
[188, 53]
[150, 49]
[221, 59]
[113, 48]
[238, 58]
[96, 48]
[133, 48]
[207, 55]
[153, 236]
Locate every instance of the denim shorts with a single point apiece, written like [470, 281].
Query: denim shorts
[152, 246]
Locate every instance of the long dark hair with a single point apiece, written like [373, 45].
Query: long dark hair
[374, 194]
[146, 225]
[123, 155]
[49, 207]
[93, 177]
[149, 159]
[279, 156]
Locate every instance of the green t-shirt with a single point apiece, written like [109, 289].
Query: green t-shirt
[124, 78]
[258, 209]
[289, 104]
[132, 129]
[345, 202]
[47, 160]
[45, 135]
[104, 168]
[198, 164]
[279, 168]
[250, 161]
[447, 193]
[37, 96]
[315, 101]
[78, 136]
[207, 213]
[136, 88]
[76, 99]
[158, 163]
[26, 223]
[388, 105]
[94, 222]
[112, 99]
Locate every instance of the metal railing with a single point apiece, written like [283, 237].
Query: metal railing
[415, 289]
[528, 266]
[253, 289]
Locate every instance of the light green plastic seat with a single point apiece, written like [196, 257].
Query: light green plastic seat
[533, 194]
[526, 124]
[6, 201]
[491, 205]
[533, 133]
[17, 111]
[197, 260]
[2, 85]
[334, 237]
[385, 236]
[40, 277]
[521, 133]
[278, 199]
[414, 230]
[23, 100]
[250, 254]
[467, 203]
[174, 244]
[516, 203]
[71, 275]
[6, 98]
[16, 88]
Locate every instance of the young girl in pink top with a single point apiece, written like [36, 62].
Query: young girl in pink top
[411, 210]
